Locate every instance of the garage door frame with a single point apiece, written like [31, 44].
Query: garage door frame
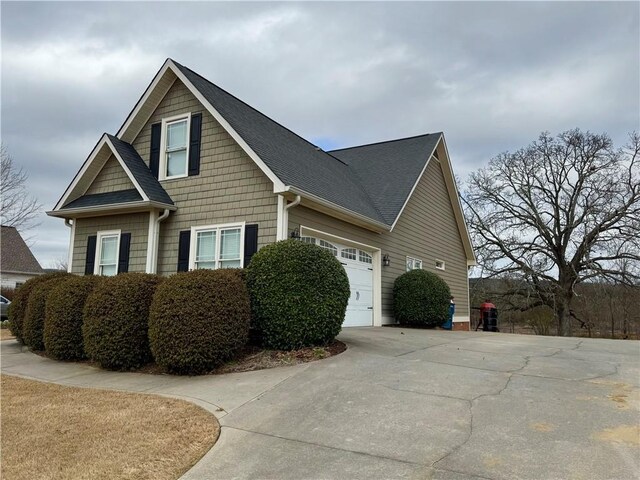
[377, 265]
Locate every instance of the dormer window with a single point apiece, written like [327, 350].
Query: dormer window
[175, 147]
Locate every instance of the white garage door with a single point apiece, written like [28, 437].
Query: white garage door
[359, 267]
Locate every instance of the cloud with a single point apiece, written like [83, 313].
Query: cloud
[491, 75]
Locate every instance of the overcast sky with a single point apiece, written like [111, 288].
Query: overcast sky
[492, 76]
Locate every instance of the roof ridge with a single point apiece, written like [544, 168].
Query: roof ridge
[264, 115]
[385, 141]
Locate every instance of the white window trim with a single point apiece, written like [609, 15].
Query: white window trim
[100, 236]
[163, 145]
[413, 263]
[218, 228]
[442, 266]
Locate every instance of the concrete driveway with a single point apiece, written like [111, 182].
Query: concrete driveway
[411, 404]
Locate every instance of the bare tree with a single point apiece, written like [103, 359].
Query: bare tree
[561, 211]
[18, 208]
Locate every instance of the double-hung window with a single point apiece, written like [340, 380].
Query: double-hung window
[414, 264]
[175, 145]
[217, 246]
[107, 252]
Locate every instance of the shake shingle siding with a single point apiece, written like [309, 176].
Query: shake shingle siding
[135, 223]
[230, 187]
[111, 178]
[426, 230]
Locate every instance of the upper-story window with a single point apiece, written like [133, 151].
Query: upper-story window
[175, 146]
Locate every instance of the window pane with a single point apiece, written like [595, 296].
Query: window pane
[177, 135]
[230, 246]
[206, 248]
[365, 257]
[308, 240]
[108, 250]
[329, 246]
[418, 265]
[209, 265]
[230, 264]
[176, 163]
[108, 270]
[409, 264]
[349, 253]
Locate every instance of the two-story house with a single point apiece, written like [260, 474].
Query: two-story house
[196, 178]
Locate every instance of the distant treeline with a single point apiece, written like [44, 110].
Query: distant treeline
[597, 310]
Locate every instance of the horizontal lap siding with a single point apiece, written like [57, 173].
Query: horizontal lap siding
[135, 223]
[230, 187]
[111, 178]
[426, 230]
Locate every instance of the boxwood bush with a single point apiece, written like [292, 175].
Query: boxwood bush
[299, 294]
[18, 307]
[63, 319]
[421, 298]
[199, 319]
[33, 321]
[115, 321]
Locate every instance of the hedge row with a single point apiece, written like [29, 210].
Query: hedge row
[294, 295]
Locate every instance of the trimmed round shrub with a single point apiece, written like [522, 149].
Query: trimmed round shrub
[115, 321]
[299, 294]
[63, 319]
[421, 298]
[18, 307]
[33, 322]
[199, 319]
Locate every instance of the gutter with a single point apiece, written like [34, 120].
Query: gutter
[333, 206]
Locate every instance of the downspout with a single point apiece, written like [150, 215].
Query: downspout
[285, 217]
[156, 240]
[72, 236]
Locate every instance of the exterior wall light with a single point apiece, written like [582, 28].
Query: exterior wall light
[385, 260]
[295, 234]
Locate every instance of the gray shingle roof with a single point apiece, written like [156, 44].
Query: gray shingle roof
[141, 172]
[389, 170]
[371, 180]
[293, 159]
[15, 255]
[148, 183]
[108, 198]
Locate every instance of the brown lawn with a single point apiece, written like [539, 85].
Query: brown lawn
[5, 334]
[51, 431]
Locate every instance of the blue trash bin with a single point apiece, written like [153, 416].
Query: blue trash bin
[448, 325]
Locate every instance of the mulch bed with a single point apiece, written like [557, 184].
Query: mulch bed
[249, 359]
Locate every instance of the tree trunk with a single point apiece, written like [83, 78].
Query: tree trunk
[562, 313]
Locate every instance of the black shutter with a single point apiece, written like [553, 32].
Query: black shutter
[194, 144]
[184, 245]
[90, 260]
[250, 242]
[123, 260]
[154, 155]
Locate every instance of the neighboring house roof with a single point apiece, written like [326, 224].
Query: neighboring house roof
[389, 170]
[15, 256]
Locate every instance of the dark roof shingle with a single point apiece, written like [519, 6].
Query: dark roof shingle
[15, 255]
[371, 180]
[108, 198]
[293, 159]
[389, 170]
[149, 184]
